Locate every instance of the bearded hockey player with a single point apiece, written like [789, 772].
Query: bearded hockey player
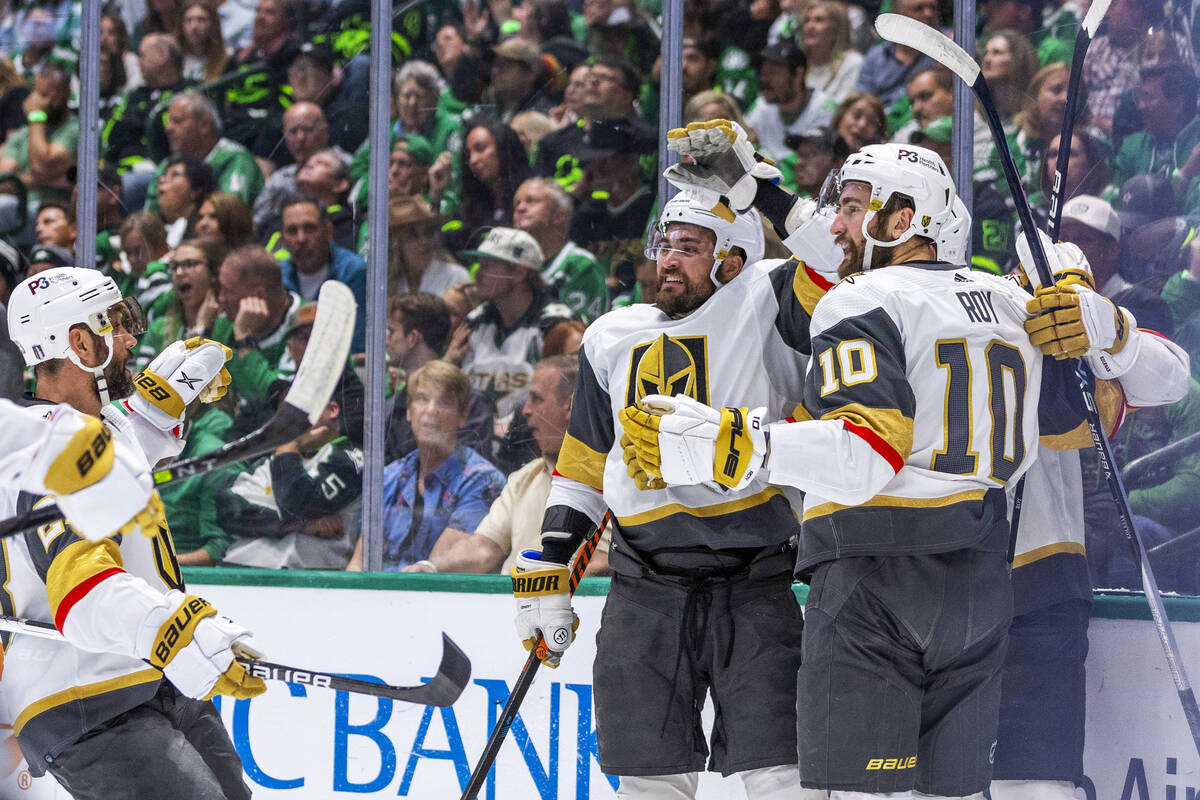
[95, 711]
[922, 398]
[701, 595]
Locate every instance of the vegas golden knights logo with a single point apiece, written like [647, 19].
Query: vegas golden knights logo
[670, 366]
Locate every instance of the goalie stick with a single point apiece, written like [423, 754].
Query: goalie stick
[525, 679]
[443, 689]
[921, 37]
[324, 359]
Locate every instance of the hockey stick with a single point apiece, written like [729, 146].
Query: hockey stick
[921, 37]
[1145, 470]
[1087, 31]
[484, 765]
[452, 676]
[324, 360]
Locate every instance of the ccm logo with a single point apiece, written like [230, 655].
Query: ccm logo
[536, 585]
[260, 670]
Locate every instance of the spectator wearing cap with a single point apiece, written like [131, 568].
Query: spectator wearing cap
[783, 105]
[299, 508]
[544, 210]
[888, 67]
[313, 258]
[133, 134]
[615, 200]
[44, 257]
[617, 27]
[1169, 143]
[305, 132]
[519, 80]
[255, 309]
[1092, 224]
[833, 65]
[508, 328]
[417, 262]
[814, 154]
[610, 90]
[41, 152]
[418, 330]
[194, 131]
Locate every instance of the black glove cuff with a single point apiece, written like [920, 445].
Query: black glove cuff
[774, 202]
[571, 521]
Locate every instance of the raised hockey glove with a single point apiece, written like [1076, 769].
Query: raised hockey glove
[723, 165]
[641, 479]
[101, 488]
[1067, 262]
[181, 373]
[686, 443]
[197, 649]
[1069, 320]
[543, 593]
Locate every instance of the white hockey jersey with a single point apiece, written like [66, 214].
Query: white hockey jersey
[743, 347]
[97, 593]
[923, 401]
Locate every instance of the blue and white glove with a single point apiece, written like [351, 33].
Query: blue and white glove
[685, 443]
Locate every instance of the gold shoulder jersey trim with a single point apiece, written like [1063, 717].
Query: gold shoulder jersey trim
[808, 286]
[581, 463]
[77, 562]
[655, 514]
[82, 693]
[1110, 402]
[1038, 553]
[1075, 439]
[903, 502]
[888, 424]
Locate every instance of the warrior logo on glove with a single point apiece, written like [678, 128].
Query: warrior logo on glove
[669, 366]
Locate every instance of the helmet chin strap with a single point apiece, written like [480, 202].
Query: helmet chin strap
[717, 262]
[97, 372]
[870, 241]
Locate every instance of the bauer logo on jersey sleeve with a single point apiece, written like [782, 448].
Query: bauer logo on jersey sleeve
[669, 365]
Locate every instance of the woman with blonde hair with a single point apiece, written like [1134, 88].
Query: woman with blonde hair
[715, 104]
[203, 44]
[833, 65]
[1009, 64]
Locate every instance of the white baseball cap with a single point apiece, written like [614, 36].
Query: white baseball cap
[511, 245]
[1095, 213]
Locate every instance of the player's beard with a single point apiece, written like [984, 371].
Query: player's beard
[120, 382]
[853, 261]
[676, 305]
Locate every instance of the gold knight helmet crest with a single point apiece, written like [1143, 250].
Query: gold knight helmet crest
[670, 366]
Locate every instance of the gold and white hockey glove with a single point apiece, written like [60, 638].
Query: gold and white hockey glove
[101, 488]
[1067, 262]
[684, 442]
[196, 649]
[181, 373]
[641, 479]
[724, 164]
[543, 593]
[1070, 320]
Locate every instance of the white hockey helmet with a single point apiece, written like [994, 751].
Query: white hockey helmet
[744, 230]
[952, 239]
[905, 169]
[43, 309]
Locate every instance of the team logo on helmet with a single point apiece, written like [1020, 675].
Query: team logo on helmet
[669, 365]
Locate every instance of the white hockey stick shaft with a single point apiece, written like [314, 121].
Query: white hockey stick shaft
[921, 37]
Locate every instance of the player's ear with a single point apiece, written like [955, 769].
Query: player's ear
[731, 267]
[898, 223]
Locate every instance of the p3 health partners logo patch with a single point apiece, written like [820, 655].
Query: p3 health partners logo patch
[669, 365]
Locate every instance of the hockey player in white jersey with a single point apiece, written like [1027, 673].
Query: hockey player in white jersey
[95, 711]
[701, 598]
[923, 395]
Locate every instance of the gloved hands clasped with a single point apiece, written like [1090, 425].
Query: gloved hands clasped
[684, 443]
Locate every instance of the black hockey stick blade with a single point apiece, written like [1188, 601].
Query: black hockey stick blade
[324, 359]
[443, 689]
[452, 676]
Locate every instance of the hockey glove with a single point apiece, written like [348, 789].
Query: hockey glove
[196, 649]
[641, 479]
[1069, 320]
[686, 443]
[543, 593]
[100, 488]
[1067, 262]
[724, 165]
[181, 373]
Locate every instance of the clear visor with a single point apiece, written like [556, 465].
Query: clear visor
[681, 241]
[125, 316]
